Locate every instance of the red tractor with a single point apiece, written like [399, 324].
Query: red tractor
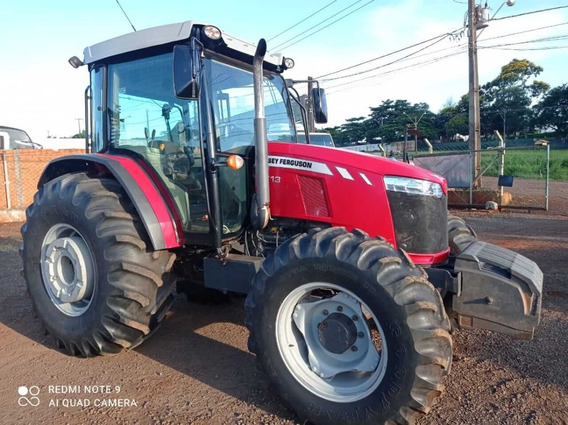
[354, 272]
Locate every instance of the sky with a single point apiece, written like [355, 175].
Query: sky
[41, 93]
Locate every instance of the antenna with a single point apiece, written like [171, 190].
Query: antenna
[129, 21]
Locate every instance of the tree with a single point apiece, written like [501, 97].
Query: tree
[552, 111]
[458, 124]
[509, 96]
[80, 135]
[388, 120]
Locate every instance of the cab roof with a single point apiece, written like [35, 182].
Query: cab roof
[161, 35]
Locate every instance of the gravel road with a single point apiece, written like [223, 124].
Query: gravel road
[196, 368]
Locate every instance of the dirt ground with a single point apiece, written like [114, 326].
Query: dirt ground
[196, 368]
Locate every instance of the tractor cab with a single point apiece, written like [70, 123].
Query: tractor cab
[182, 98]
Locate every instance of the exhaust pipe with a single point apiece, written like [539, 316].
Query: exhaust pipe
[260, 209]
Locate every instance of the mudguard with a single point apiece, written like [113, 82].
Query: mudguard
[156, 210]
[500, 290]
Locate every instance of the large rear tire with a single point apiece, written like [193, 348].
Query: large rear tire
[95, 282]
[348, 329]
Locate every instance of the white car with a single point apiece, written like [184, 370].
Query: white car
[15, 138]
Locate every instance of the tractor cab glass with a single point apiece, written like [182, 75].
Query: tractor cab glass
[145, 117]
[232, 95]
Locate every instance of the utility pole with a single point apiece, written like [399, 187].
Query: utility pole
[79, 124]
[474, 121]
[477, 18]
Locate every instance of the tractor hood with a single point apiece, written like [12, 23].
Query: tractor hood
[362, 162]
[346, 188]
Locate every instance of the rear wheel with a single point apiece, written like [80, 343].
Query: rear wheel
[94, 280]
[348, 329]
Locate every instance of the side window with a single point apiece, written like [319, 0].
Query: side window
[141, 104]
[145, 117]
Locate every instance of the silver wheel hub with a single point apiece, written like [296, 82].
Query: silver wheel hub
[67, 269]
[357, 353]
[331, 342]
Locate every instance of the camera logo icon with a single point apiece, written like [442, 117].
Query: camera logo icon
[28, 396]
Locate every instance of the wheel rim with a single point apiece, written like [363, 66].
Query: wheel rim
[67, 269]
[315, 326]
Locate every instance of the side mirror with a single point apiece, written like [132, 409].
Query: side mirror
[320, 105]
[187, 68]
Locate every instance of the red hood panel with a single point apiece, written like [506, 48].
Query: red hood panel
[336, 186]
[360, 160]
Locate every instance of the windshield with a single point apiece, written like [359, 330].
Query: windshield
[16, 135]
[322, 139]
[233, 104]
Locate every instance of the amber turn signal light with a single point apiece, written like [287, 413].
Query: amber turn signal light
[235, 162]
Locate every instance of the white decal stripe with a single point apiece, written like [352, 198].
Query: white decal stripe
[366, 179]
[299, 164]
[344, 173]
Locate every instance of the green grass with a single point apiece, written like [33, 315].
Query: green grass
[530, 164]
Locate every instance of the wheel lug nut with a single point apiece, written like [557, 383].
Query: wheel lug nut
[361, 335]
[339, 308]
[354, 348]
[323, 324]
[354, 318]
[325, 312]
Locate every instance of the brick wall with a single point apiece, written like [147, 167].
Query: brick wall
[24, 168]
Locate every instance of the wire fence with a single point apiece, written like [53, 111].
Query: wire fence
[20, 170]
[512, 177]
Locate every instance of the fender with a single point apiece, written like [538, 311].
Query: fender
[160, 217]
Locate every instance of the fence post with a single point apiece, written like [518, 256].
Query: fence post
[472, 176]
[501, 164]
[19, 182]
[547, 176]
[6, 180]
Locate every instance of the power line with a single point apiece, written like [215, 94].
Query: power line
[537, 40]
[385, 65]
[303, 20]
[325, 20]
[443, 57]
[426, 63]
[434, 60]
[529, 13]
[337, 20]
[461, 49]
[129, 21]
[525, 49]
[389, 54]
[526, 31]
[316, 25]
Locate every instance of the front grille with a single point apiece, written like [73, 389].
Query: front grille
[420, 222]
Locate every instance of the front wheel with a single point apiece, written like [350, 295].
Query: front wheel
[348, 329]
[460, 235]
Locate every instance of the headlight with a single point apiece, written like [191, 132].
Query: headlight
[212, 32]
[413, 186]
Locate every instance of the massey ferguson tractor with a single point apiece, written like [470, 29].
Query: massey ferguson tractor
[355, 275]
